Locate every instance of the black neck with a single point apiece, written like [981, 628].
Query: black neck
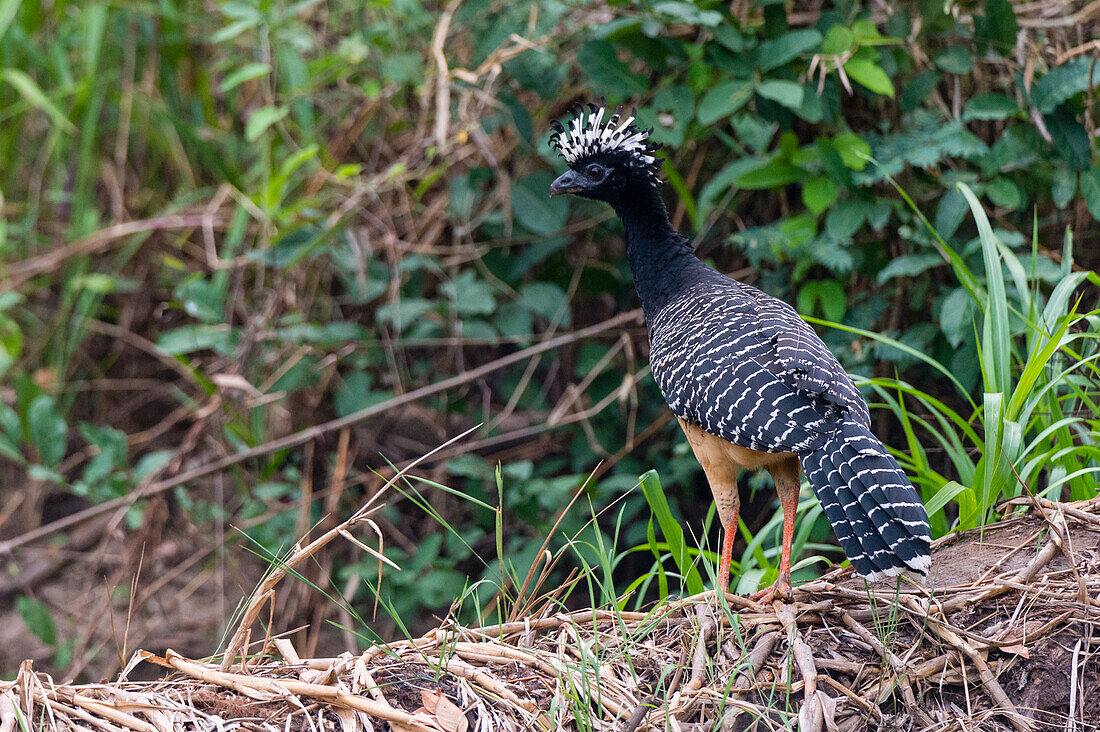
[658, 255]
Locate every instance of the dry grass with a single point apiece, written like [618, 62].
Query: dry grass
[1000, 636]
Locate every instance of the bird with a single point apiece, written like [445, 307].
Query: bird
[749, 381]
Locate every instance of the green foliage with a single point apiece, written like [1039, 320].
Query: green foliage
[1035, 429]
[349, 254]
[36, 617]
[674, 536]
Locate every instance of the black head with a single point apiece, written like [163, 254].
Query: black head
[607, 158]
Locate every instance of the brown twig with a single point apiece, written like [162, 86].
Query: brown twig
[312, 433]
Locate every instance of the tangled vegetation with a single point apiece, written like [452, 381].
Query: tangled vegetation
[260, 255]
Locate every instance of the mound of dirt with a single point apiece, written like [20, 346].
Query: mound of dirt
[999, 636]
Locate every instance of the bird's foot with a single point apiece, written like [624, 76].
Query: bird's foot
[781, 590]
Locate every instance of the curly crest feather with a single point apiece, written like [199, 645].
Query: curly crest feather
[587, 135]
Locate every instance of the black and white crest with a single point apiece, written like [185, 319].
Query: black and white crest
[588, 134]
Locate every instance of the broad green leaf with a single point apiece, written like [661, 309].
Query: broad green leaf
[678, 104]
[773, 54]
[685, 12]
[11, 343]
[245, 73]
[402, 68]
[838, 40]
[869, 74]
[828, 294]
[1061, 83]
[469, 294]
[1090, 191]
[233, 30]
[776, 172]
[110, 447]
[191, 338]
[241, 11]
[48, 430]
[599, 61]
[955, 60]
[36, 616]
[844, 219]
[203, 299]
[818, 193]
[908, 265]
[989, 106]
[513, 320]
[1003, 192]
[918, 88]
[355, 393]
[723, 100]
[866, 32]
[151, 462]
[261, 120]
[524, 260]
[721, 182]
[44, 475]
[1071, 140]
[957, 316]
[1063, 186]
[853, 150]
[997, 28]
[405, 312]
[787, 93]
[534, 209]
[753, 131]
[729, 37]
[462, 196]
[812, 108]
[294, 83]
[546, 299]
[10, 423]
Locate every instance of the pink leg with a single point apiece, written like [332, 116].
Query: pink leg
[786, 476]
[729, 534]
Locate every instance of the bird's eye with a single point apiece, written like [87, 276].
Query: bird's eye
[594, 172]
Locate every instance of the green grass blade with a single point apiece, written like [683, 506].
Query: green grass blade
[674, 535]
[894, 343]
[996, 346]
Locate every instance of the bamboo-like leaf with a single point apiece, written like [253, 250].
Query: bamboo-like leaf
[949, 491]
[674, 535]
[996, 346]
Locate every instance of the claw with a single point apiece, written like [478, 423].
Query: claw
[781, 590]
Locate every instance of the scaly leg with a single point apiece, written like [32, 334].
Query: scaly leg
[787, 483]
[729, 534]
[713, 453]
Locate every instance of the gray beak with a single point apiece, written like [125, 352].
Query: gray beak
[565, 183]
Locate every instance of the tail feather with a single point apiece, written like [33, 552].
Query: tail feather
[830, 504]
[871, 543]
[882, 534]
[876, 513]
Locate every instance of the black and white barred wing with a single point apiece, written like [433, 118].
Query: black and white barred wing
[763, 385]
[800, 358]
[712, 366]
